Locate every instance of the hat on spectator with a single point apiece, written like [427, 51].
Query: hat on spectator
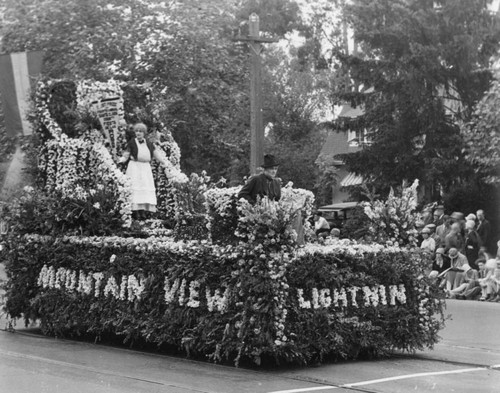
[470, 224]
[431, 226]
[453, 252]
[491, 264]
[335, 232]
[426, 230]
[440, 251]
[471, 217]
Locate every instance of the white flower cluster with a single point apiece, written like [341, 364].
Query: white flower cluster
[66, 166]
[426, 309]
[108, 172]
[346, 246]
[344, 297]
[175, 292]
[174, 174]
[42, 99]
[139, 244]
[393, 219]
[130, 287]
[89, 92]
[299, 198]
[219, 199]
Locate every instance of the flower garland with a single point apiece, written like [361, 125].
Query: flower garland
[42, 99]
[393, 220]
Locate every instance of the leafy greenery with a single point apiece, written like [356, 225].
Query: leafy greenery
[482, 137]
[428, 65]
[35, 211]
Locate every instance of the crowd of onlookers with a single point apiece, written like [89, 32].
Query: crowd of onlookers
[462, 248]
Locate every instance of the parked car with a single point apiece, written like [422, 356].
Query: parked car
[337, 213]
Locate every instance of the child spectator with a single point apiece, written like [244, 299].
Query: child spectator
[428, 244]
[490, 284]
[495, 284]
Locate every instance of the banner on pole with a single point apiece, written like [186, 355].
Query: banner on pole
[18, 73]
[108, 111]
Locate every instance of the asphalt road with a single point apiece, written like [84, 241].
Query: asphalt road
[466, 360]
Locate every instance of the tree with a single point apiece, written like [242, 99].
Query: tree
[182, 50]
[295, 98]
[482, 136]
[427, 64]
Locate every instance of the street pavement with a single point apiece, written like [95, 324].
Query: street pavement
[467, 359]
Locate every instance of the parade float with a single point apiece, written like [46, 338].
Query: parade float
[215, 277]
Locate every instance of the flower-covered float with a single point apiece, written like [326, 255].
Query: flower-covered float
[228, 281]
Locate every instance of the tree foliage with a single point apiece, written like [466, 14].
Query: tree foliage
[182, 50]
[427, 64]
[482, 135]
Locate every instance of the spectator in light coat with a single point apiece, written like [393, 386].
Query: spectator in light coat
[428, 243]
[455, 276]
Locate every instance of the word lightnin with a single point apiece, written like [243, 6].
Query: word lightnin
[343, 297]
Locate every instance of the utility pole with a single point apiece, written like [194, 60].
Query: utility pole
[257, 130]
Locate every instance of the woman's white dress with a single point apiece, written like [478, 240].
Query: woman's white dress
[141, 176]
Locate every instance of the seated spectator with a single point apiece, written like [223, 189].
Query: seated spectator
[474, 290]
[428, 243]
[471, 280]
[455, 274]
[490, 284]
[320, 224]
[441, 263]
[495, 283]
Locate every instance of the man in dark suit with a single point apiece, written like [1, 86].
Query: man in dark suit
[438, 215]
[263, 185]
[483, 229]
